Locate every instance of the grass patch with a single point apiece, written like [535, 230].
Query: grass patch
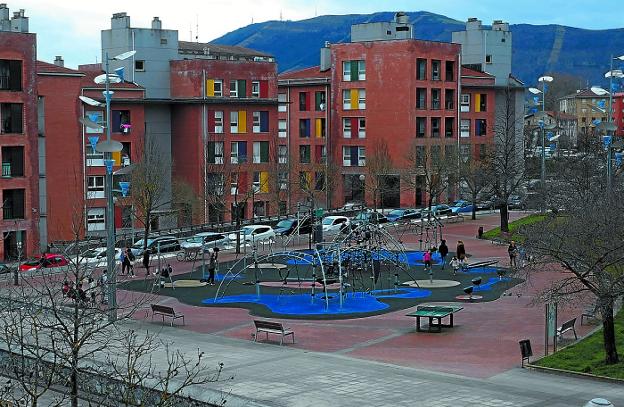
[514, 228]
[587, 356]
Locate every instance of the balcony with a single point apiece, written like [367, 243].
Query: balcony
[6, 170]
[12, 162]
[13, 204]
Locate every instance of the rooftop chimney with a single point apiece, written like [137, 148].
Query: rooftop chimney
[120, 20]
[156, 24]
[58, 61]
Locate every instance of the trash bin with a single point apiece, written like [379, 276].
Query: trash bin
[480, 233]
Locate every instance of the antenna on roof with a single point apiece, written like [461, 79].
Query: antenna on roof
[196, 27]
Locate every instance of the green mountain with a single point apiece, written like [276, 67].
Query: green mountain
[537, 49]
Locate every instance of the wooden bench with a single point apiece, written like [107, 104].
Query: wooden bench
[165, 311]
[567, 326]
[270, 327]
[589, 313]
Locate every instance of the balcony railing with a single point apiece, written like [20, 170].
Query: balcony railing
[6, 170]
[4, 82]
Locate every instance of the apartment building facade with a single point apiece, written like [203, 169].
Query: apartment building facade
[19, 139]
[589, 108]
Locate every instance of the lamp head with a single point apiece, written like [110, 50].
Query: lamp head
[123, 56]
[535, 91]
[545, 79]
[90, 102]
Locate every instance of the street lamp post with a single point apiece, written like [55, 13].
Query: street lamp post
[542, 123]
[108, 147]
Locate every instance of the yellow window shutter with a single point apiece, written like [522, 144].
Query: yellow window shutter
[210, 87]
[309, 180]
[354, 98]
[477, 102]
[318, 128]
[117, 157]
[264, 181]
[242, 121]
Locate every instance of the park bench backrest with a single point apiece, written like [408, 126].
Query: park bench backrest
[568, 324]
[163, 309]
[269, 325]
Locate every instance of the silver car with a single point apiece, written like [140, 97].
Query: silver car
[208, 240]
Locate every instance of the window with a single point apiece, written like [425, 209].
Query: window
[354, 126]
[261, 122]
[11, 115]
[260, 152]
[361, 131]
[10, 75]
[435, 70]
[94, 158]
[304, 154]
[420, 156]
[346, 127]
[450, 71]
[319, 128]
[421, 98]
[282, 154]
[139, 65]
[282, 107]
[354, 70]
[215, 152]
[217, 127]
[448, 126]
[435, 98]
[95, 219]
[480, 127]
[435, 127]
[482, 151]
[353, 99]
[238, 88]
[282, 180]
[13, 161]
[435, 152]
[421, 69]
[215, 183]
[353, 156]
[282, 126]
[449, 99]
[255, 89]
[320, 154]
[319, 181]
[305, 180]
[465, 102]
[96, 116]
[488, 59]
[238, 153]
[303, 102]
[464, 128]
[480, 102]
[214, 87]
[449, 151]
[421, 126]
[163, 41]
[464, 152]
[304, 128]
[234, 184]
[95, 187]
[260, 182]
[121, 121]
[238, 122]
[319, 101]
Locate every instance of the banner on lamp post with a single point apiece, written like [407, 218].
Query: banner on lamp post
[109, 166]
[125, 187]
[93, 140]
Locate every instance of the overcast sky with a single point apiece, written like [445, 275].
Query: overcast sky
[71, 28]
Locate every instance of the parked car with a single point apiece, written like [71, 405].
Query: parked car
[97, 257]
[45, 261]
[516, 202]
[208, 240]
[438, 210]
[402, 215]
[334, 223]
[461, 206]
[4, 269]
[371, 217]
[254, 233]
[289, 226]
[350, 206]
[156, 244]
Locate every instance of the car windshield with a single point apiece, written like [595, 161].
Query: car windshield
[139, 244]
[328, 221]
[362, 216]
[33, 262]
[247, 231]
[194, 239]
[397, 212]
[286, 223]
[89, 254]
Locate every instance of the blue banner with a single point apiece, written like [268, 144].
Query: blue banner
[109, 166]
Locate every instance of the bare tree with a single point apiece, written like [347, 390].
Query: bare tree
[584, 238]
[474, 178]
[430, 170]
[379, 166]
[506, 158]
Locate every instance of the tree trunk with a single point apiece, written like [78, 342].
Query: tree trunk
[474, 206]
[504, 218]
[238, 223]
[608, 334]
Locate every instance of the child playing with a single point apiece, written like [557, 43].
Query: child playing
[454, 264]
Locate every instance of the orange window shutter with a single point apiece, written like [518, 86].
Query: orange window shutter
[210, 87]
[242, 121]
[477, 103]
[117, 157]
[354, 98]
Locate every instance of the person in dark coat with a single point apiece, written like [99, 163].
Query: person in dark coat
[443, 250]
[146, 261]
[513, 253]
[461, 254]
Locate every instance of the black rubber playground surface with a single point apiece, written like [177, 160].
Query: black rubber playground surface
[293, 292]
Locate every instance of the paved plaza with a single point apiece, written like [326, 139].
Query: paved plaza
[382, 360]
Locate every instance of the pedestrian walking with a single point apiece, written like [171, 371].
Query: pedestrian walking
[443, 250]
[212, 265]
[513, 253]
[454, 264]
[129, 259]
[146, 261]
[427, 261]
[122, 259]
[460, 252]
[92, 290]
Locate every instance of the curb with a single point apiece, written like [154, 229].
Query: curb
[571, 373]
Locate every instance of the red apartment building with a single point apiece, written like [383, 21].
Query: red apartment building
[618, 113]
[476, 112]
[224, 132]
[19, 137]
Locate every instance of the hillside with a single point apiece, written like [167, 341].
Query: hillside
[536, 48]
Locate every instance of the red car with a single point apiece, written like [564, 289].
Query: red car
[46, 261]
